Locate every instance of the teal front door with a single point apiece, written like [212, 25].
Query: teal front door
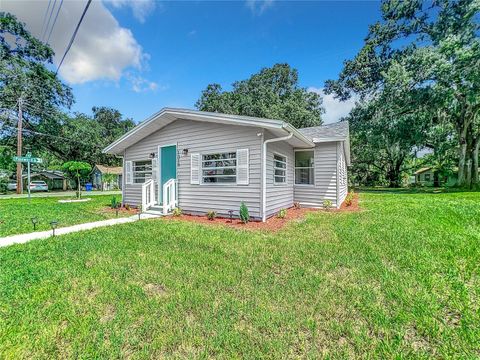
[168, 166]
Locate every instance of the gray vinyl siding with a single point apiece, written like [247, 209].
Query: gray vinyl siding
[279, 196]
[342, 182]
[204, 137]
[325, 163]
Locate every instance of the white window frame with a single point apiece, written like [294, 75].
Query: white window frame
[202, 168]
[275, 182]
[295, 167]
[134, 162]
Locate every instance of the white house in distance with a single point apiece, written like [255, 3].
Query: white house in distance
[202, 161]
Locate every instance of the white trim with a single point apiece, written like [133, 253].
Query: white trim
[304, 167]
[285, 183]
[124, 169]
[171, 115]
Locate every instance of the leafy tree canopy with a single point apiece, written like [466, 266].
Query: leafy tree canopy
[271, 93]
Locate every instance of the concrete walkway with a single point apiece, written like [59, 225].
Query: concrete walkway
[59, 194]
[23, 238]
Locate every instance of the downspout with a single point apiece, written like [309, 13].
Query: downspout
[264, 169]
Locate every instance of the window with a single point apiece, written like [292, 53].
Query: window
[279, 169]
[219, 168]
[427, 177]
[142, 171]
[304, 174]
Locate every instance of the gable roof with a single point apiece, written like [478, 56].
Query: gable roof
[328, 132]
[338, 131]
[116, 170]
[422, 170]
[169, 115]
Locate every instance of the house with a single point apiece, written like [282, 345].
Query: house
[201, 161]
[55, 179]
[107, 177]
[428, 176]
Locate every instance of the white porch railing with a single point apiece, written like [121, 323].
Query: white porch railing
[148, 194]
[169, 195]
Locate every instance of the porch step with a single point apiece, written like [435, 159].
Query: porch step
[155, 210]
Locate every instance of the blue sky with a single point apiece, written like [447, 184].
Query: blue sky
[169, 51]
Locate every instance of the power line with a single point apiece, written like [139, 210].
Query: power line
[45, 16]
[74, 35]
[49, 18]
[54, 21]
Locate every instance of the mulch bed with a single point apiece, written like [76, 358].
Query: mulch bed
[121, 210]
[272, 224]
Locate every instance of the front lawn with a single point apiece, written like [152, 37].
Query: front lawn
[399, 279]
[16, 214]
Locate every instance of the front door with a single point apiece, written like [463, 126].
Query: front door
[168, 166]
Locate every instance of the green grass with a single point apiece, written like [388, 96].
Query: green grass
[16, 214]
[400, 279]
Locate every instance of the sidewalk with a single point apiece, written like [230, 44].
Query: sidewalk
[23, 238]
[59, 194]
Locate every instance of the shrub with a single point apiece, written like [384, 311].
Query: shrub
[296, 205]
[177, 211]
[114, 203]
[3, 185]
[327, 204]
[211, 215]
[349, 198]
[244, 215]
[282, 214]
[127, 207]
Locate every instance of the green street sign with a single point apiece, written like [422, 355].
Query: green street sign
[27, 159]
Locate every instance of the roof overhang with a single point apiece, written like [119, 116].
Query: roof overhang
[168, 115]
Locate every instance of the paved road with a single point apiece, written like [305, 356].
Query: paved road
[59, 194]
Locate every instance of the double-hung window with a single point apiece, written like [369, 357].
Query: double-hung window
[304, 167]
[279, 169]
[219, 168]
[142, 171]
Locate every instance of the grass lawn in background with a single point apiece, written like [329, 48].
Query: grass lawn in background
[16, 214]
[399, 279]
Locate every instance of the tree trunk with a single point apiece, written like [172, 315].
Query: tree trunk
[461, 181]
[468, 172]
[476, 148]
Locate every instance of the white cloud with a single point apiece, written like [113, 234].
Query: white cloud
[139, 84]
[258, 7]
[334, 109]
[102, 50]
[140, 8]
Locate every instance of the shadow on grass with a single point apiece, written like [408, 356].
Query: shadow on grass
[412, 190]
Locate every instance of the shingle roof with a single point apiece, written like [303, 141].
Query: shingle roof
[422, 170]
[116, 170]
[338, 130]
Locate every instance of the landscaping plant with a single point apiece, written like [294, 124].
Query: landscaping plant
[77, 170]
[177, 211]
[282, 214]
[327, 204]
[349, 198]
[211, 215]
[244, 214]
[114, 203]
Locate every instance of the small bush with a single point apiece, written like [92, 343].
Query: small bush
[349, 198]
[211, 215]
[177, 211]
[327, 204]
[3, 185]
[114, 203]
[244, 215]
[282, 214]
[296, 205]
[127, 207]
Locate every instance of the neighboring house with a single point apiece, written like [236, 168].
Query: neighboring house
[102, 181]
[55, 179]
[201, 161]
[428, 176]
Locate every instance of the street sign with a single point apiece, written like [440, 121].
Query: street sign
[28, 159]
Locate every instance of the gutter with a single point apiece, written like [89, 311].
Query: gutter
[285, 126]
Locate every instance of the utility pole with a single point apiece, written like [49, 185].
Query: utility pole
[19, 147]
